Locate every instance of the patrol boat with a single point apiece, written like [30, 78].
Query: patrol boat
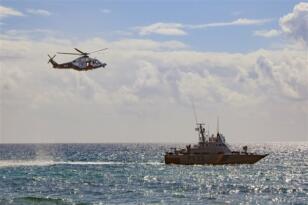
[210, 150]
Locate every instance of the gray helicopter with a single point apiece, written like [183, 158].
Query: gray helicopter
[83, 63]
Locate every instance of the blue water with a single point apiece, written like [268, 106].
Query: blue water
[136, 174]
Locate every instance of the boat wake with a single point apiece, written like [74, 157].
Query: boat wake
[28, 163]
[18, 163]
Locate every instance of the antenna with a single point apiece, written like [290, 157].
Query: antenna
[195, 114]
[217, 124]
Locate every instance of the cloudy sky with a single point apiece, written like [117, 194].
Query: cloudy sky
[244, 61]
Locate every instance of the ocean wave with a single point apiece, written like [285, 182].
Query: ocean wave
[34, 200]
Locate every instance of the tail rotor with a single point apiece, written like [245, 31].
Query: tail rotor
[51, 58]
[54, 63]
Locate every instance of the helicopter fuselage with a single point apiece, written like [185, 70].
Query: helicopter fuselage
[83, 63]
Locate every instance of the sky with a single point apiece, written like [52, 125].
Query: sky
[244, 61]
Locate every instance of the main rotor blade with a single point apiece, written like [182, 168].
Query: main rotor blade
[69, 53]
[83, 53]
[98, 50]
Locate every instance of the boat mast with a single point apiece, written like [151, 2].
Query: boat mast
[199, 128]
[201, 131]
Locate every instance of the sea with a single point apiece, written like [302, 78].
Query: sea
[67, 174]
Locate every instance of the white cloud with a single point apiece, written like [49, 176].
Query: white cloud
[288, 77]
[238, 22]
[295, 24]
[170, 29]
[146, 76]
[245, 21]
[210, 90]
[29, 33]
[106, 11]
[39, 12]
[240, 73]
[178, 29]
[267, 33]
[6, 11]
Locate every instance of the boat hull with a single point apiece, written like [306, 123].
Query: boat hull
[215, 159]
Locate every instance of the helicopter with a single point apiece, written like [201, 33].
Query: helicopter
[82, 63]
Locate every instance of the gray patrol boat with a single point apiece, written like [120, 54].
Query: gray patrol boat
[210, 150]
